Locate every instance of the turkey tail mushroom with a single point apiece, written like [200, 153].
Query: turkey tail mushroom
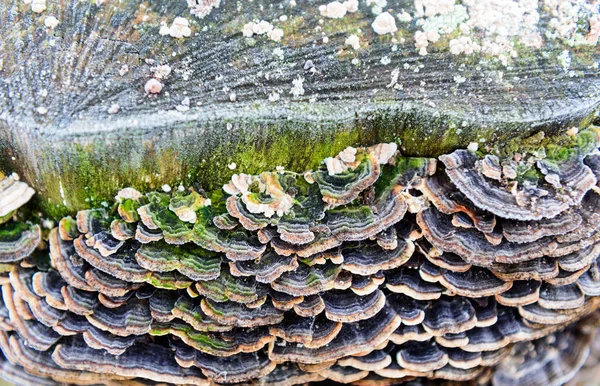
[373, 269]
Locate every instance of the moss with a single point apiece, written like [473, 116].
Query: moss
[12, 231]
[418, 139]
[84, 176]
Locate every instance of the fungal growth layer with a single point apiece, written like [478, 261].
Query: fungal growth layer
[373, 269]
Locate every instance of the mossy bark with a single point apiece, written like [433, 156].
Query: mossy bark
[77, 155]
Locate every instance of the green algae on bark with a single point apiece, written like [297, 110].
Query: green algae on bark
[230, 98]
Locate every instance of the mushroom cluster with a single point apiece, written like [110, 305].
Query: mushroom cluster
[373, 269]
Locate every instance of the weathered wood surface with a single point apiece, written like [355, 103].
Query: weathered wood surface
[58, 85]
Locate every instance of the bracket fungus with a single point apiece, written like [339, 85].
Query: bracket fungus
[375, 268]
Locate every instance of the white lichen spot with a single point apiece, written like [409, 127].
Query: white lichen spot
[570, 20]
[61, 190]
[128, 194]
[353, 41]
[463, 44]
[385, 60]
[473, 146]
[278, 53]
[38, 6]
[153, 86]
[179, 29]
[202, 8]
[377, 6]
[123, 70]
[333, 10]
[395, 74]
[247, 30]
[275, 34]
[404, 17]
[232, 166]
[162, 71]
[376, 3]
[565, 60]
[351, 5]
[384, 24]
[114, 108]
[260, 28]
[459, 79]
[47, 223]
[422, 40]
[51, 22]
[42, 110]
[433, 7]
[166, 188]
[274, 97]
[184, 106]
[297, 87]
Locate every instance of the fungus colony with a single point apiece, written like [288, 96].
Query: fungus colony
[374, 269]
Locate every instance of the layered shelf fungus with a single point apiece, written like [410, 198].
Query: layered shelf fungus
[373, 269]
